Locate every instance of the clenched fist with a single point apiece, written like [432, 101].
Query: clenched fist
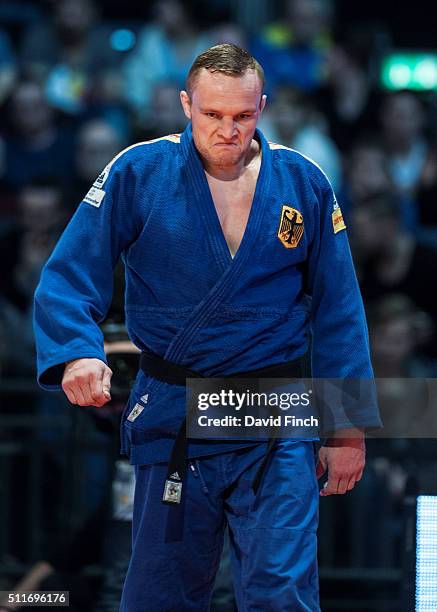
[345, 459]
[87, 382]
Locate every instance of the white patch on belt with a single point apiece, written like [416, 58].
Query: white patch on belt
[94, 196]
[136, 411]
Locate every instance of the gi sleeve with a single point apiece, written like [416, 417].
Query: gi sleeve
[76, 284]
[340, 343]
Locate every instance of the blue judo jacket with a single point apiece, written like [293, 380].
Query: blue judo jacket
[186, 298]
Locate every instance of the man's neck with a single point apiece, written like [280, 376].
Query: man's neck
[234, 172]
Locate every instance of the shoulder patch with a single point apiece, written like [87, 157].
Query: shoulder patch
[94, 196]
[337, 219]
[100, 180]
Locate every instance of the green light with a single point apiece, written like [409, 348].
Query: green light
[426, 73]
[400, 75]
[417, 71]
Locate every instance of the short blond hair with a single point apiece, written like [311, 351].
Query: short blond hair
[226, 58]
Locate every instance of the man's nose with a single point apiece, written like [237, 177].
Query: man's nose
[227, 128]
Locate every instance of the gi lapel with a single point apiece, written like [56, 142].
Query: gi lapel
[232, 268]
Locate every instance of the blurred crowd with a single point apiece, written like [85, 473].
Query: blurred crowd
[76, 87]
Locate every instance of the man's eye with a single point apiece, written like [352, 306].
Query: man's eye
[243, 116]
[212, 115]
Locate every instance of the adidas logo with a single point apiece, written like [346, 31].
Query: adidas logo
[175, 476]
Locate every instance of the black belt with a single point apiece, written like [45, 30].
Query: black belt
[176, 374]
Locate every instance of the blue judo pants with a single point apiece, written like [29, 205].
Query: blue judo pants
[273, 534]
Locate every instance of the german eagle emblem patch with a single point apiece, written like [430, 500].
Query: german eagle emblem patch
[290, 227]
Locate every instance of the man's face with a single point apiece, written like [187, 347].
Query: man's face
[40, 208]
[29, 111]
[393, 341]
[370, 230]
[224, 111]
[368, 172]
[402, 117]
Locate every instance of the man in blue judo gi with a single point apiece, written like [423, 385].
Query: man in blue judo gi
[234, 248]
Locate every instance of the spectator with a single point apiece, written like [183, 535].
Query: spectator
[26, 246]
[426, 202]
[8, 68]
[165, 50]
[389, 259]
[8, 202]
[72, 57]
[97, 143]
[36, 145]
[43, 218]
[397, 331]
[367, 172]
[228, 32]
[347, 99]
[375, 511]
[28, 241]
[367, 175]
[294, 50]
[166, 114]
[8, 75]
[292, 120]
[62, 568]
[403, 123]
[396, 327]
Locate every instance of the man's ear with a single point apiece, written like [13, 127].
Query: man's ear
[186, 103]
[262, 103]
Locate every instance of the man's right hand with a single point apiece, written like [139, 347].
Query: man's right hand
[87, 382]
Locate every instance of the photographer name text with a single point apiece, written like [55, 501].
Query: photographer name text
[281, 420]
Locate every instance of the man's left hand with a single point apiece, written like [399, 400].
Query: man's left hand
[344, 456]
